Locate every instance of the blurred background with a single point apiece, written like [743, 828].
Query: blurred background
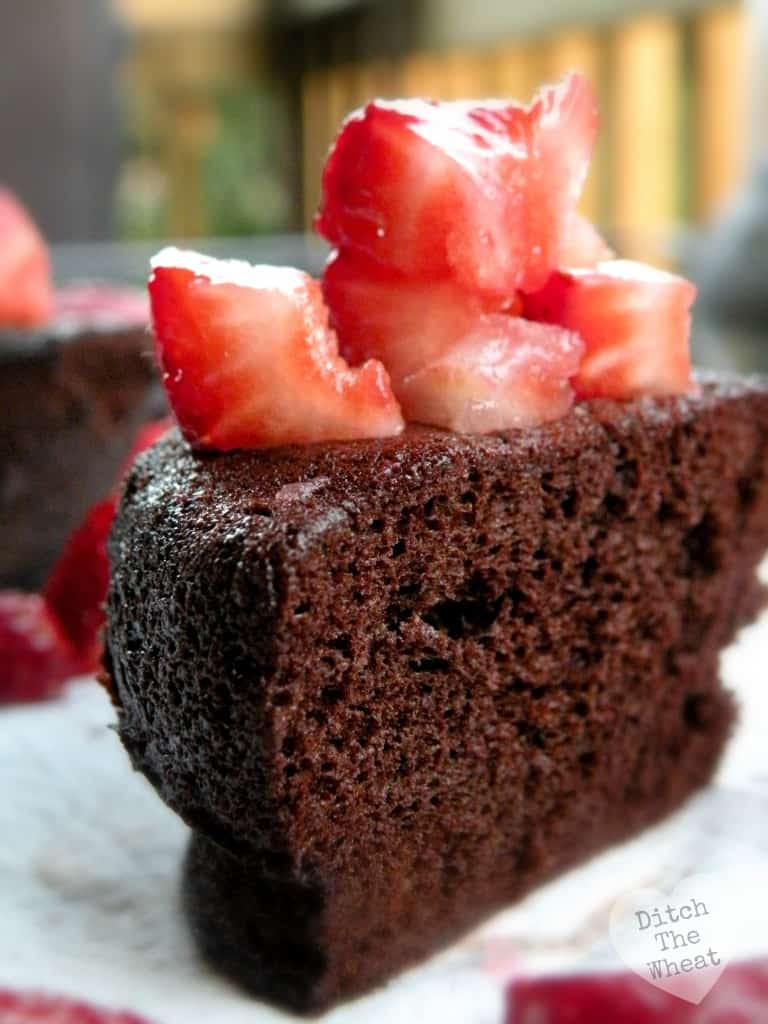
[139, 120]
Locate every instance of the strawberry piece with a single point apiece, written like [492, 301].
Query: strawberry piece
[36, 1008]
[456, 360]
[479, 192]
[634, 321]
[249, 360]
[583, 245]
[77, 586]
[379, 314]
[101, 302]
[26, 294]
[507, 373]
[739, 997]
[146, 437]
[589, 998]
[36, 657]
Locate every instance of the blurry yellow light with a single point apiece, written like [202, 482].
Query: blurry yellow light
[160, 14]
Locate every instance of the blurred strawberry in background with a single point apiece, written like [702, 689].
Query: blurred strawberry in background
[36, 1008]
[46, 639]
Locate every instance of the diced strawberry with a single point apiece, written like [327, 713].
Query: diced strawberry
[583, 245]
[146, 437]
[101, 302]
[77, 586]
[584, 999]
[36, 1008]
[479, 192]
[380, 314]
[36, 657]
[456, 360]
[739, 997]
[635, 323]
[45, 639]
[26, 294]
[507, 373]
[249, 360]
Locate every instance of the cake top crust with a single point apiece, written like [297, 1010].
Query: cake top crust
[295, 487]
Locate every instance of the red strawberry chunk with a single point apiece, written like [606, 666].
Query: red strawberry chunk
[478, 192]
[507, 373]
[45, 639]
[739, 997]
[101, 302]
[379, 314]
[77, 587]
[36, 1008]
[26, 294]
[36, 657]
[249, 360]
[78, 584]
[146, 437]
[634, 321]
[456, 360]
[583, 245]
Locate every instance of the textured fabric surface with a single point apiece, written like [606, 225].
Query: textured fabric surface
[90, 861]
[89, 876]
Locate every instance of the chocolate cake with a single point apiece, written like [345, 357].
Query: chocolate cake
[72, 396]
[392, 685]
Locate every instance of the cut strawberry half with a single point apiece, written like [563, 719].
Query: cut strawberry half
[102, 303]
[146, 437]
[45, 639]
[739, 997]
[36, 1008]
[26, 294]
[634, 321]
[380, 314]
[249, 360]
[456, 360]
[36, 657]
[507, 373]
[583, 245]
[479, 192]
[77, 586]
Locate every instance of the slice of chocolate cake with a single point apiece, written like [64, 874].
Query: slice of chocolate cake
[393, 684]
[72, 396]
[76, 382]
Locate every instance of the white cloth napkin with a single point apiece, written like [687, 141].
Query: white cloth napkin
[89, 864]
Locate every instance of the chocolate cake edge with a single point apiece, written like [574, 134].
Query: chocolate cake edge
[403, 682]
